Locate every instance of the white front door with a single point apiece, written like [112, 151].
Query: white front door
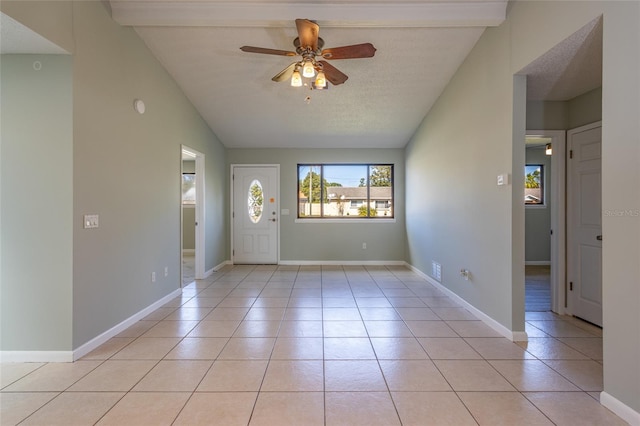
[584, 216]
[255, 214]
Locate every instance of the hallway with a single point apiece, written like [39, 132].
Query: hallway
[311, 345]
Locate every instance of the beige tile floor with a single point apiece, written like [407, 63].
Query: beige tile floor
[267, 345]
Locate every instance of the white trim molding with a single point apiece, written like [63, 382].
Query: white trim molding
[102, 338]
[621, 409]
[514, 336]
[343, 262]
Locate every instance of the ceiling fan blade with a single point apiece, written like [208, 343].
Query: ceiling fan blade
[364, 50]
[285, 73]
[252, 49]
[308, 33]
[333, 74]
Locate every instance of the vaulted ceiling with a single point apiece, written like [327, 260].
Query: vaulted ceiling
[420, 45]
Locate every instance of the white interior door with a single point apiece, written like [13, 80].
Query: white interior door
[584, 216]
[255, 214]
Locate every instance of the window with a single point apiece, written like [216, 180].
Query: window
[188, 188]
[346, 191]
[534, 185]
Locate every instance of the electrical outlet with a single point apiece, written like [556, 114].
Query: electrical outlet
[364, 246]
[153, 277]
[436, 271]
[166, 271]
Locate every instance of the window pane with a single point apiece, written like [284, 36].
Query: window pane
[381, 191]
[188, 188]
[255, 199]
[533, 184]
[344, 184]
[309, 191]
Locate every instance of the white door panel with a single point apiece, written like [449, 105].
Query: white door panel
[584, 228]
[255, 214]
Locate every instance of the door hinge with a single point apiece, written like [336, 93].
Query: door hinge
[233, 214]
[570, 153]
[570, 285]
[551, 232]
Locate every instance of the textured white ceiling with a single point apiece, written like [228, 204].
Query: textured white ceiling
[420, 45]
[569, 69]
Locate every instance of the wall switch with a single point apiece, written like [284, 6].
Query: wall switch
[503, 179]
[153, 277]
[166, 271]
[364, 246]
[91, 221]
[436, 271]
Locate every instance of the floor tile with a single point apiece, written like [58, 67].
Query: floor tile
[12, 371]
[454, 314]
[248, 348]
[301, 329]
[137, 329]
[214, 329]
[417, 314]
[159, 314]
[298, 348]
[550, 348]
[591, 347]
[430, 329]
[227, 314]
[406, 302]
[387, 329]
[532, 376]
[587, 374]
[108, 349]
[146, 408]
[503, 408]
[203, 302]
[288, 408]
[431, 408]
[472, 329]
[147, 348]
[74, 408]
[15, 407]
[339, 302]
[373, 302]
[265, 314]
[303, 314]
[560, 329]
[573, 408]
[114, 376]
[174, 376]
[341, 314]
[304, 302]
[379, 314]
[229, 409]
[472, 375]
[497, 348]
[271, 302]
[353, 376]
[348, 348]
[294, 376]
[170, 329]
[52, 377]
[360, 408]
[198, 348]
[448, 348]
[344, 329]
[398, 348]
[413, 376]
[188, 314]
[234, 376]
[257, 329]
[439, 302]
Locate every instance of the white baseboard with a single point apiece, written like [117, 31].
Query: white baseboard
[622, 410]
[343, 262]
[537, 263]
[514, 336]
[102, 338]
[218, 267]
[36, 356]
[190, 252]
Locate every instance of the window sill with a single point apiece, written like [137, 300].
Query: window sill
[326, 221]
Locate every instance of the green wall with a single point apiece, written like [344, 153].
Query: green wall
[331, 241]
[36, 166]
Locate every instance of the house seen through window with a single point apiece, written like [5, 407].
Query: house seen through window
[349, 191]
[533, 184]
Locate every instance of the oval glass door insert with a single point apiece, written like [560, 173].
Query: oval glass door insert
[255, 201]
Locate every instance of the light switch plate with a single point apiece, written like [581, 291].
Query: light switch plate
[91, 221]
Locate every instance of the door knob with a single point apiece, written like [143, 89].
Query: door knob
[273, 220]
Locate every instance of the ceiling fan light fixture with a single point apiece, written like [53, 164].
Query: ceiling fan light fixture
[308, 70]
[296, 79]
[321, 80]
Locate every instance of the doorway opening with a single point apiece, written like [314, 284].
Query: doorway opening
[191, 215]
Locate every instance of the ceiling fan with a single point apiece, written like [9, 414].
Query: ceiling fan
[310, 47]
